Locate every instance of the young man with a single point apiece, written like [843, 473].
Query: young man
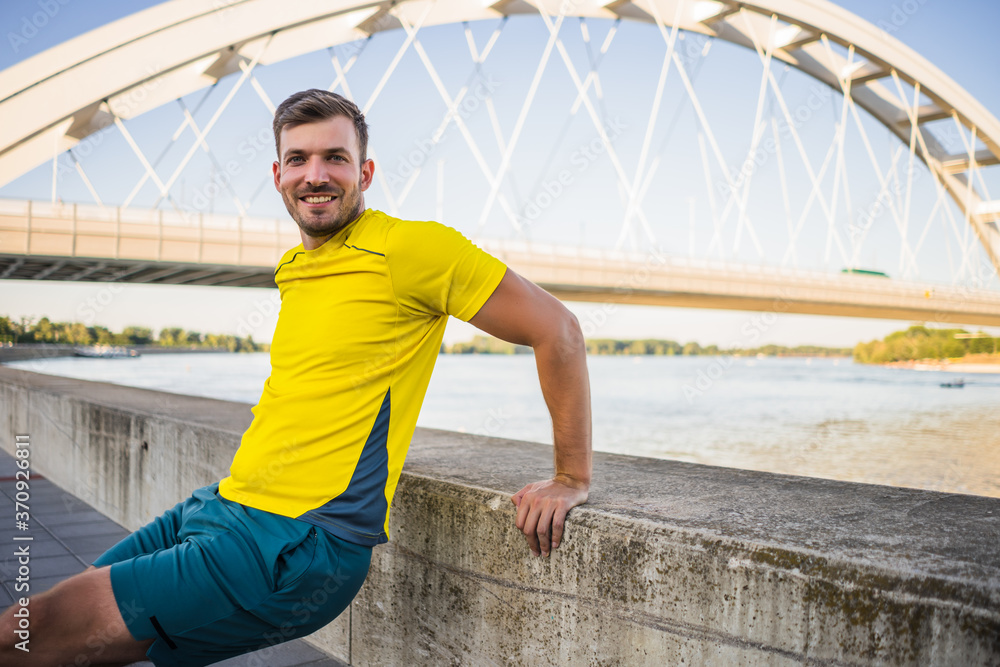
[365, 299]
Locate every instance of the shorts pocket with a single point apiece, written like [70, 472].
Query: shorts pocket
[323, 592]
[293, 563]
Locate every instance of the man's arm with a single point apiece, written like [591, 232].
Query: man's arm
[520, 312]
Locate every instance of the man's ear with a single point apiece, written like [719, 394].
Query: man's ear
[276, 170]
[367, 174]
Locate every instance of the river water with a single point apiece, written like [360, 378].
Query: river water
[826, 418]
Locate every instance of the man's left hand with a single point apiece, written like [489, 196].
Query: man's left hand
[542, 509]
[521, 312]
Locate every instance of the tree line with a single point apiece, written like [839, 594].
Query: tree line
[28, 330]
[919, 342]
[648, 346]
[660, 347]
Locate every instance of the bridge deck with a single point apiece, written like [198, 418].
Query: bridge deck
[41, 241]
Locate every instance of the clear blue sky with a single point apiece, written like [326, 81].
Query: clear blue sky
[957, 36]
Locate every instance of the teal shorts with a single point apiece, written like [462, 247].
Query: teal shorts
[212, 579]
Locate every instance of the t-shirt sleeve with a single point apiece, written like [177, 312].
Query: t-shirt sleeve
[436, 270]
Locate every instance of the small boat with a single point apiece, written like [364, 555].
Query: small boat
[105, 352]
[959, 383]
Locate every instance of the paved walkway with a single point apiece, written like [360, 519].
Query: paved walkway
[67, 534]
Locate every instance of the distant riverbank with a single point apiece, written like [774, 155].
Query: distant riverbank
[649, 347]
[26, 351]
[922, 348]
[972, 363]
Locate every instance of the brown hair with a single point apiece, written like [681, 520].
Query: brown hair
[313, 105]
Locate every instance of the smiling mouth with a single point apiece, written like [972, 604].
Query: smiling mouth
[317, 199]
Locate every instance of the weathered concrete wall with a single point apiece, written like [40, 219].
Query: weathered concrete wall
[670, 563]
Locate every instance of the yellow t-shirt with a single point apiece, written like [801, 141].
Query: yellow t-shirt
[360, 327]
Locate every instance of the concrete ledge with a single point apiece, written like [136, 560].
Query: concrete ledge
[669, 563]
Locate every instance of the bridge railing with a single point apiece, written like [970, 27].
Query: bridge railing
[660, 261]
[81, 230]
[86, 230]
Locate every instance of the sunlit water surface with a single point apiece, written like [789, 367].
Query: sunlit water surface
[817, 417]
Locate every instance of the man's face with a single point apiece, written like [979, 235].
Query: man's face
[321, 178]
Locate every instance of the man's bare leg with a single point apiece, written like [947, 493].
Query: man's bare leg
[78, 617]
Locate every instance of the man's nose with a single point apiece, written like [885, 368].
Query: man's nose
[316, 173]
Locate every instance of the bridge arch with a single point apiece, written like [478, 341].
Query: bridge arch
[142, 61]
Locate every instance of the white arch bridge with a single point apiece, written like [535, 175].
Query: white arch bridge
[926, 203]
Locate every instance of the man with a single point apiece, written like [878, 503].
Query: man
[365, 299]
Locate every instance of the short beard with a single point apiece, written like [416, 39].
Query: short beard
[350, 209]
